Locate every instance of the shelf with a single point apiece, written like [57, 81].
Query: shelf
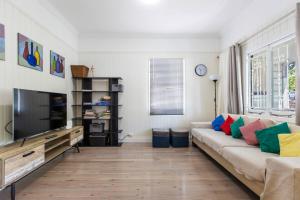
[56, 152]
[56, 145]
[99, 78]
[84, 92]
[114, 118]
[79, 105]
[91, 91]
[109, 132]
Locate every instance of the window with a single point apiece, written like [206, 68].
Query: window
[166, 86]
[284, 76]
[273, 78]
[258, 81]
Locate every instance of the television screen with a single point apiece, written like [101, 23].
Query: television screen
[35, 112]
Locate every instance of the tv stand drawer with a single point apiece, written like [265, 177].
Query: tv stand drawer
[76, 133]
[21, 164]
[76, 136]
[76, 139]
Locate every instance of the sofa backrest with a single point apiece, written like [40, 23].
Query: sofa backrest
[294, 128]
[247, 120]
[267, 122]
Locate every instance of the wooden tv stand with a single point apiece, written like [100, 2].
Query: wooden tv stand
[17, 161]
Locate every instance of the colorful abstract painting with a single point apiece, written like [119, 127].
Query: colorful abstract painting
[57, 64]
[2, 42]
[30, 53]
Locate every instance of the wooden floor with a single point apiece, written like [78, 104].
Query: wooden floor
[131, 172]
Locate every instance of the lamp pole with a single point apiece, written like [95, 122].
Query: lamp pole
[215, 78]
[215, 100]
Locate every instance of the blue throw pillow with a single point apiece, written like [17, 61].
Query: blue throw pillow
[217, 123]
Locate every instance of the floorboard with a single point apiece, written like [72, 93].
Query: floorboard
[130, 172]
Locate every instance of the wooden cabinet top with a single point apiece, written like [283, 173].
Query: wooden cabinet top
[16, 148]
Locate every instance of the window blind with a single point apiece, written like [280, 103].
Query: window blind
[166, 86]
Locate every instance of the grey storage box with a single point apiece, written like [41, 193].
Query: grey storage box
[97, 128]
[117, 88]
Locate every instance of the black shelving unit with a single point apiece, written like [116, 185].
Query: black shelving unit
[85, 89]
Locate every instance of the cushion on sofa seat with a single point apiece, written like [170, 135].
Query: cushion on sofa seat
[250, 162]
[218, 140]
[248, 131]
[226, 125]
[235, 128]
[268, 138]
[217, 123]
[289, 145]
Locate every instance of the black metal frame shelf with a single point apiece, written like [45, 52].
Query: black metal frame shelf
[79, 105]
[86, 92]
[90, 91]
[98, 78]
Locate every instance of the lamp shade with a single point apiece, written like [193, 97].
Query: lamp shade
[214, 77]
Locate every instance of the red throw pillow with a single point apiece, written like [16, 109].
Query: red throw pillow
[226, 126]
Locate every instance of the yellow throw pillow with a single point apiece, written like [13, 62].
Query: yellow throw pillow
[289, 144]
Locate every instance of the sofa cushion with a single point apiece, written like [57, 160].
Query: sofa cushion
[235, 128]
[289, 145]
[250, 162]
[248, 131]
[218, 140]
[197, 132]
[217, 123]
[226, 125]
[268, 138]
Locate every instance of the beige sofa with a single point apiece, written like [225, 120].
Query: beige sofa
[268, 175]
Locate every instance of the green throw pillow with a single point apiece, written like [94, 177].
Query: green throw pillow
[235, 128]
[268, 138]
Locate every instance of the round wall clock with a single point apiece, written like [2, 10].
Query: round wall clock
[201, 70]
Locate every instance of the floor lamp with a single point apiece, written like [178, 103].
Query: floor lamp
[215, 78]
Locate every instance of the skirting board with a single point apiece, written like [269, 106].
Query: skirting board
[138, 139]
[255, 186]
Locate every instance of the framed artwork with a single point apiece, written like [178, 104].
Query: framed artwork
[30, 53]
[57, 64]
[2, 42]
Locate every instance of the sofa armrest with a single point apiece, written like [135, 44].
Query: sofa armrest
[200, 125]
[282, 179]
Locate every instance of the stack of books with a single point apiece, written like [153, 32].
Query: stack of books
[90, 114]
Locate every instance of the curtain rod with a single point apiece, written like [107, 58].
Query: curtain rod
[265, 28]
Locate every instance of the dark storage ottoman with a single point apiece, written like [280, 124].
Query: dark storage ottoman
[161, 138]
[97, 139]
[179, 137]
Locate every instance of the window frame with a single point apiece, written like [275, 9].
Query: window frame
[184, 87]
[269, 62]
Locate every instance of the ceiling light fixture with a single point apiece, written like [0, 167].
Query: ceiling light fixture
[150, 2]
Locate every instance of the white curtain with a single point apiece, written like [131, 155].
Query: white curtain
[222, 100]
[297, 70]
[235, 83]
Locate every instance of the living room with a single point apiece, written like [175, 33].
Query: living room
[149, 99]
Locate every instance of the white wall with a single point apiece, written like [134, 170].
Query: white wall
[255, 17]
[36, 26]
[129, 57]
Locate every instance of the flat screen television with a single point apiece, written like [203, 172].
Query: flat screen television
[36, 112]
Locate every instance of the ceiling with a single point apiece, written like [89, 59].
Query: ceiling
[134, 17]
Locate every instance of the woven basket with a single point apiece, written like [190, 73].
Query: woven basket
[79, 71]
